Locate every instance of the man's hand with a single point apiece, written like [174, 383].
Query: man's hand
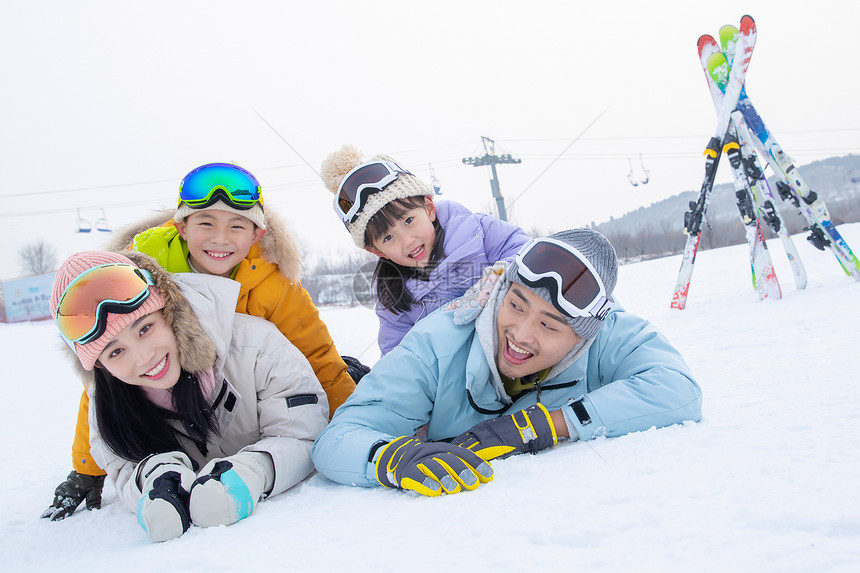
[430, 468]
[529, 430]
[69, 495]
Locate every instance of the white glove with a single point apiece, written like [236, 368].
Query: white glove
[165, 480]
[469, 306]
[227, 489]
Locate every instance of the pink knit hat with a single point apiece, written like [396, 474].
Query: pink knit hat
[75, 265]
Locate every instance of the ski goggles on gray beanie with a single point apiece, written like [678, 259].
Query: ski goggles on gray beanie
[575, 271]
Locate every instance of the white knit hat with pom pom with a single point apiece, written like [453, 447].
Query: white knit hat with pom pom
[339, 163]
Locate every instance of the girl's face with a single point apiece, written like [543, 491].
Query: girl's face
[218, 240]
[409, 241]
[144, 353]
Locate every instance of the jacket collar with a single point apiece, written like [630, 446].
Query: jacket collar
[213, 300]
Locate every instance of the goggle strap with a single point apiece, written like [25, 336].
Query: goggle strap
[601, 308]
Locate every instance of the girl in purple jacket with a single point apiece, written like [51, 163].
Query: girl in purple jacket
[429, 253]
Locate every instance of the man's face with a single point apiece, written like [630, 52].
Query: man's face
[533, 334]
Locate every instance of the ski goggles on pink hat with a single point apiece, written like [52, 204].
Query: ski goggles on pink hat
[220, 182]
[574, 286]
[82, 311]
[362, 182]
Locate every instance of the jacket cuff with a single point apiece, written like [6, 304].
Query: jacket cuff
[581, 419]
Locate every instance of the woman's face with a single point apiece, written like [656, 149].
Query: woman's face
[144, 353]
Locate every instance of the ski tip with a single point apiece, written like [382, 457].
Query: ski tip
[705, 39]
[728, 36]
[716, 60]
[747, 24]
[707, 47]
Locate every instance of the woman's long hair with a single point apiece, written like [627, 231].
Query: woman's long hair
[390, 278]
[133, 427]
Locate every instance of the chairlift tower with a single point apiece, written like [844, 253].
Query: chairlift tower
[490, 158]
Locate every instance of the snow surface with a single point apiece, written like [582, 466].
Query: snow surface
[768, 481]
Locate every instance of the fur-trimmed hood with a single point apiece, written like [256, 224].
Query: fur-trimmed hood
[196, 350]
[278, 246]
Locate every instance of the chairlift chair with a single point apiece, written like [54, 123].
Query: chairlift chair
[83, 225]
[647, 178]
[437, 188]
[102, 223]
[630, 177]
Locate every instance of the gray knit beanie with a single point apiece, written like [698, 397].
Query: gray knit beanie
[336, 166]
[600, 253]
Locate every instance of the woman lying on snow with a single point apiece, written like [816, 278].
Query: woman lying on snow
[198, 412]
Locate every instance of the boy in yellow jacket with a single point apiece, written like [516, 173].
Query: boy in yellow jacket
[220, 228]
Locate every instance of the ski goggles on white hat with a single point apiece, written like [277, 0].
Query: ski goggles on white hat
[362, 182]
[574, 286]
[225, 182]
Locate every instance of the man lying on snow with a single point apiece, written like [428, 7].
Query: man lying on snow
[549, 357]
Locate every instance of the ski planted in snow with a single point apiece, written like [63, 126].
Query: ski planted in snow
[765, 200]
[694, 217]
[764, 278]
[747, 169]
[792, 187]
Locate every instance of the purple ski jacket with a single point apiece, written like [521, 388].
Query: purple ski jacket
[472, 241]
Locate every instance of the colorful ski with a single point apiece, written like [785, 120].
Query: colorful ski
[765, 200]
[763, 275]
[694, 217]
[793, 188]
[755, 186]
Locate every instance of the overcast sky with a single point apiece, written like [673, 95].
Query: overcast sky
[110, 103]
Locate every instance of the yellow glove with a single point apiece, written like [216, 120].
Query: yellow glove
[529, 430]
[430, 468]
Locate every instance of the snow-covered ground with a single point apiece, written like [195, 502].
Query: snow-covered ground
[768, 481]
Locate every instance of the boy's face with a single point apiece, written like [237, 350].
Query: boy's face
[409, 241]
[218, 240]
[533, 334]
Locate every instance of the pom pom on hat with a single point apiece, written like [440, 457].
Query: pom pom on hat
[338, 164]
[600, 253]
[335, 167]
[69, 271]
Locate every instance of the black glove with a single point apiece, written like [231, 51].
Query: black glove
[69, 495]
[529, 430]
[355, 368]
[430, 468]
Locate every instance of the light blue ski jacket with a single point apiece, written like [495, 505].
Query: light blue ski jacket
[630, 379]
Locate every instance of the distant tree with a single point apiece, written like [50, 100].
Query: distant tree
[37, 257]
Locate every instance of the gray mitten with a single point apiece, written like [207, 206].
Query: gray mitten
[165, 480]
[228, 489]
[469, 306]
